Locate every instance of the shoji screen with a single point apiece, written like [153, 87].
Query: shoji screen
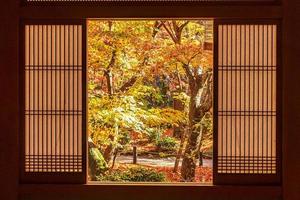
[53, 102]
[247, 123]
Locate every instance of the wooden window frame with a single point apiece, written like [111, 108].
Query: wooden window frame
[54, 177]
[263, 179]
[252, 10]
[150, 3]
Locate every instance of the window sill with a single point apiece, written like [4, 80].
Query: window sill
[147, 184]
[147, 191]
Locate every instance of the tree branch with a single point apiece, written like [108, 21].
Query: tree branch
[156, 27]
[183, 25]
[128, 84]
[112, 60]
[206, 96]
[169, 32]
[108, 74]
[188, 72]
[194, 56]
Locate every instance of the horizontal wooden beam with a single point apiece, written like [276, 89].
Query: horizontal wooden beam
[149, 192]
[74, 12]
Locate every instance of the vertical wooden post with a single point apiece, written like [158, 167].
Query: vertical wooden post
[134, 155]
[200, 159]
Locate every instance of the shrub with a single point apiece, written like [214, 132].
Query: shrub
[154, 135]
[134, 174]
[97, 164]
[142, 174]
[167, 144]
[111, 176]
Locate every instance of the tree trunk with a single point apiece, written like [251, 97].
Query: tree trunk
[114, 158]
[108, 152]
[190, 155]
[109, 82]
[180, 150]
[178, 130]
[110, 149]
[134, 160]
[178, 105]
[200, 159]
[200, 103]
[200, 153]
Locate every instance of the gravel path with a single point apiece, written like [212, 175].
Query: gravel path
[155, 162]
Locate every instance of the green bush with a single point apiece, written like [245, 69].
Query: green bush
[111, 176]
[142, 174]
[167, 144]
[154, 135]
[97, 164]
[134, 174]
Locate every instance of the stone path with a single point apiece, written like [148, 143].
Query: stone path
[156, 162]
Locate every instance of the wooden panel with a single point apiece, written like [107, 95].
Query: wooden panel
[54, 106]
[149, 192]
[246, 109]
[147, 2]
[136, 11]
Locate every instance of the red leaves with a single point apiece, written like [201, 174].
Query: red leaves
[168, 132]
[203, 174]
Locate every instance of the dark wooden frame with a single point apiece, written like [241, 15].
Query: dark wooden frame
[288, 12]
[53, 177]
[97, 3]
[149, 192]
[254, 11]
[150, 3]
[245, 179]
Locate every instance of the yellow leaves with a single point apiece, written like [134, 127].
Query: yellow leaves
[161, 116]
[139, 55]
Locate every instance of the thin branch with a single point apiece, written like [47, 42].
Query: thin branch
[183, 25]
[169, 32]
[172, 29]
[194, 56]
[156, 28]
[128, 84]
[112, 60]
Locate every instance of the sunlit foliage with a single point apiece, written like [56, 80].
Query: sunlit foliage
[136, 71]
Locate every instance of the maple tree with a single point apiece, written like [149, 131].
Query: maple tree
[137, 71]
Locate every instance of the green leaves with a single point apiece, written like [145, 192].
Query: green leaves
[130, 112]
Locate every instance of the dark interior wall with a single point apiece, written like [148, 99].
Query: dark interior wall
[9, 99]
[158, 192]
[291, 99]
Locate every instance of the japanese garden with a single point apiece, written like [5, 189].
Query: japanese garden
[150, 85]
